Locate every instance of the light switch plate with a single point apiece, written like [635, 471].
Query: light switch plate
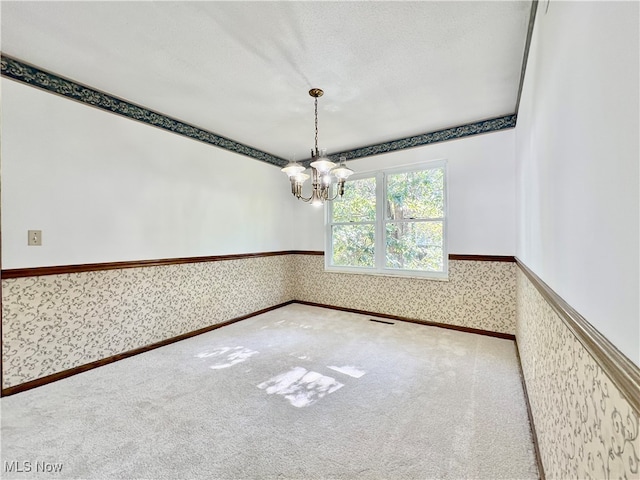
[35, 238]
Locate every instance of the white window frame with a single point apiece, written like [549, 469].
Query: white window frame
[380, 224]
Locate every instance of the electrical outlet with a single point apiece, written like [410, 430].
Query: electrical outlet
[35, 238]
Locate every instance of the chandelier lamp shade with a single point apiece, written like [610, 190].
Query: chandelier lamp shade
[323, 172]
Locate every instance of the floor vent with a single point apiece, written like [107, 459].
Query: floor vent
[381, 321]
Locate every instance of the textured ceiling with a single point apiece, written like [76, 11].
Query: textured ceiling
[243, 69]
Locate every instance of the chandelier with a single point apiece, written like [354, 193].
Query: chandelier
[323, 170]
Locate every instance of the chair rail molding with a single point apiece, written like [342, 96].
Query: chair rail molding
[624, 374]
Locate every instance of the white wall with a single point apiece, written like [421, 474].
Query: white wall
[104, 188]
[481, 197]
[577, 150]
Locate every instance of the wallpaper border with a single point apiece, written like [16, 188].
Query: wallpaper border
[94, 267]
[624, 374]
[467, 130]
[38, 382]
[37, 77]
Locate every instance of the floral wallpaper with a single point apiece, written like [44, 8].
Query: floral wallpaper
[585, 428]
[36, 77]
[478, 294]
[56, 322]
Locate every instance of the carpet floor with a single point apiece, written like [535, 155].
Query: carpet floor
[299, 392]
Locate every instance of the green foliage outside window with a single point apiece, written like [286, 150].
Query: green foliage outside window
[358, 203]
[413, 222]
[414, 241]
[354, 243]
[415, 194]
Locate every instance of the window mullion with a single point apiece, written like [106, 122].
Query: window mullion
[367, 222]
[416, 220]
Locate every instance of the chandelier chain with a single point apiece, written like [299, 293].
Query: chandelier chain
[316, 103]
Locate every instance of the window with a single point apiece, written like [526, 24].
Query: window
[390, 222]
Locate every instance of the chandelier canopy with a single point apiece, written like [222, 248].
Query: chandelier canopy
[323, 171]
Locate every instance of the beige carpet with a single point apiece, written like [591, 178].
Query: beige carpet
[299, 392]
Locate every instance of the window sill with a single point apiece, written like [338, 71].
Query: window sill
[442, 278]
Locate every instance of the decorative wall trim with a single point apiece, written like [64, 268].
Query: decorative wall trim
[452, 256]
[534, 435]
[488, 333]
[22, 72]
[93, 267]
[470, 129]
[624, 374]
[105, 361]
[483, 258]
[527, 46]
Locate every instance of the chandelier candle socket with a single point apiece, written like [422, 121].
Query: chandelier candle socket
[323, 170]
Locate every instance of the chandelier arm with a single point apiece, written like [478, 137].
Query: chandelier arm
[339, 191]
[298, 195]
[335, 196]
[331, 199]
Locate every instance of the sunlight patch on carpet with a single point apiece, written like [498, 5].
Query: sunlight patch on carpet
[231, 355]
[349, 370]
[300, 386]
